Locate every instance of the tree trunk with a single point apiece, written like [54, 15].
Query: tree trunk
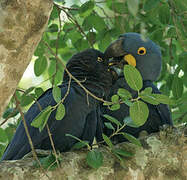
[163, 157]
[22, 23]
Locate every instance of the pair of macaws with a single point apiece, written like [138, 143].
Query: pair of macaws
[83, 113]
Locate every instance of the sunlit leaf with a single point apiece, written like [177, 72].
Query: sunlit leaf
[41, 119]
[132, 139]
[60, 113]
[123, 93]
[163, 99]
[115, 98]
[139, 112]
[56, 94]
[112, 119]
[147, 90]
[133, 77]
[109, 125]
[107, 141]
[122, 152]
[114, 107]
[177, 87]
[149, 98]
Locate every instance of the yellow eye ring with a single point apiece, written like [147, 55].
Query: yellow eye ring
[99, 59]
[141, 51]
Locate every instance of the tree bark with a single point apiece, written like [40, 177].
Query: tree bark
[22, 23]
[162, 157]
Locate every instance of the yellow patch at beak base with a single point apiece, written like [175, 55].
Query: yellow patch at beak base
[130, 60]
[111, 64]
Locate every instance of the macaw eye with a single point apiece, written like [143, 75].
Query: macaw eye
[99, 59]
[141, 51]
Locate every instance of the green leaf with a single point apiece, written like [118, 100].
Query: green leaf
[114, 107]
[132, 139]
[161, 98]
[164, 14]
[54, 13]
[81, 44]
[94, 21]
[74, 36]
[41, 119]
[104, 41]
[91, 37]
[58, 77]
[10, 112]
[3, 137]
[112, 119]
[48, 162]
[80, 145]
[150, 4]
[118, 7]
[177, 87]
[86, 8]
[107, 141]
[133, 6]
[127, 102]
[123, 93]
[94, 159]
[40, 65]
[122, 152]
[40, 50]
[117, 155]
[149, 98]
[39, 91]
[115, 98]
[74, 137]
[60, 113]
[52, 67]
[53, 28]
[133, 77]
[147, 90]
[139, 112]
[57, 94]
[129, 122]
[26, 100]
[109, 125]
[29, 90]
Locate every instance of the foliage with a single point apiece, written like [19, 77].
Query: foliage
[75, 26]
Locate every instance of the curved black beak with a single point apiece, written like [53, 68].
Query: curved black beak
[115, 49]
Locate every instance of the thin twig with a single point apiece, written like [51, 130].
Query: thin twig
[28, 135]
[64, 7]
[52, 144]
[69, 83]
